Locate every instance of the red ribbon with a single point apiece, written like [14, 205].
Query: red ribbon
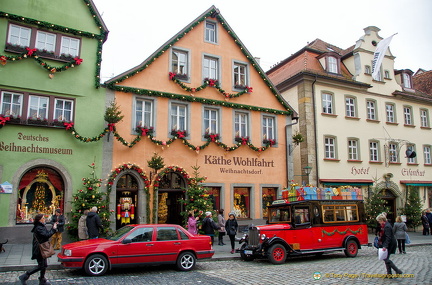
[180, 134]
[172, 75]
[244, 141]
[213, 137]
[212, 82]
[78, 60]
[68, 125]
[111, 127]
[30, 51]
[249, 89]
[3, 120]
[144, 131]
[3, 59]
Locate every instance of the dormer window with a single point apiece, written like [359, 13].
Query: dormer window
[406, 80]
[332, 64]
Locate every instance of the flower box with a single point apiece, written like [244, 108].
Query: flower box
[37, 122]
[15, 48]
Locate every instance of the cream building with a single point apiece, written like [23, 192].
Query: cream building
[358, 131]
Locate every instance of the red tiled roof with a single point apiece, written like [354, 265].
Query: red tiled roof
[423, 82]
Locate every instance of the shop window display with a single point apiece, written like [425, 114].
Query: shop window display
[241, 202]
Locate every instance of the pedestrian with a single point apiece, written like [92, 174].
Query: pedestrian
[40, 235]
[399, 231]
[82, 226]
[209, 226]
[221, 225]
[388, 243]
[231, 227]
[429, 217]
[192, 223]
[425, 223]
[56, 239]
[94, 223]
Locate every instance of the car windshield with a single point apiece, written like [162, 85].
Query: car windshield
[120, 233]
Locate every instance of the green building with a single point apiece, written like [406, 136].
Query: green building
[51, 107]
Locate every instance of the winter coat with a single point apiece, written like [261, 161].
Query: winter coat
[93, 224]
[231, 227]
[399, 230]
[40, 235]
[221, 223]
[192, 225]
[60, 219]
[429, 217]
[82, 227]
[209, 226]
[387, 238]
[425, 222]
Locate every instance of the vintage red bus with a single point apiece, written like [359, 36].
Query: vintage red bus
[307, 227]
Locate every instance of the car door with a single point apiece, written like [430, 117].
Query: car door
[137, 247]
[167, 243]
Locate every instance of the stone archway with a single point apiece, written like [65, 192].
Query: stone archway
[392, 196]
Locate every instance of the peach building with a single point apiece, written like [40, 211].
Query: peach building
[202, 100]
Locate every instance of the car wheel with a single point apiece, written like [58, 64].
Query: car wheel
[244, 256]
[351, 248]
[277, 254]
[186, 261]
[96, 265]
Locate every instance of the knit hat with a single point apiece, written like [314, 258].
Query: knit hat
[208, 214]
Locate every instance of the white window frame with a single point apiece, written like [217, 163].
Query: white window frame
[211, 120]
[268, 127]
[424, 118]
[144, 112]
[65, 114]
[406, 80]
[390, 113]
[412, 160]
[427, 154]
[9, 108]
[368, 69]
[211, 67]
[178, 117]
[176, 52]
[42, 42]
[374, 153]
[330, 147]
[371, 110]
[19, 38]
[66, 46]
[408, 118]
[210, 32]
[327, 103]
[393, 153]
[353, 149]
[240, 74]
[350, 107]
[41, 111]
[241, 124]
[332, 64]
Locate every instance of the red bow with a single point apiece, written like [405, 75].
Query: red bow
[3, 59]
[111, 127]
[244, 141]
[213, 137]
[144, 131]
[30, 51]
[249, 89]
[180, 134]
[212, 82]
[3, 120]
[68, 125]
[78, 60]
[172, 75]
[272, 142]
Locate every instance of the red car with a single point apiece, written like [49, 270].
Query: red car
[135, 245]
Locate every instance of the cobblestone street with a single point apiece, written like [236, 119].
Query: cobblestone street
[333, 268]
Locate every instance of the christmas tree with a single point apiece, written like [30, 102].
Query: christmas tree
[112, 113]
[196, 200]
[413, 207]
[374, 205]
[156, 162]
[87, 198]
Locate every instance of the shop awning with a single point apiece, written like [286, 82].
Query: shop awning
[416, 183]
[342, 182]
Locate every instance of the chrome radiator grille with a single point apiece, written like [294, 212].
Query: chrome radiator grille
[253, 236]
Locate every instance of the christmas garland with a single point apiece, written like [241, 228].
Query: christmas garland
[142, 174]
[339, 232]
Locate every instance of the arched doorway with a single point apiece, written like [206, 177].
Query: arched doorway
[171, 189]
[41, 190]
[390, 202]
[126, 200]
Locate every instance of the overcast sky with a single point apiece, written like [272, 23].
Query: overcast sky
[271, 30]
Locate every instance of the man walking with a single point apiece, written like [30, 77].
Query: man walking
[56, 239]
[93, 223]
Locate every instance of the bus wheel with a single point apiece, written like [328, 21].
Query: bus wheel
[351, 249]
[277, 254]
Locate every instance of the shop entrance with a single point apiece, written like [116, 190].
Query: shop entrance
[390, 202]
[126, 200]
[171, 188]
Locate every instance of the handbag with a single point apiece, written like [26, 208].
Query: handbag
[376, 242]
[46, 249]
[382, 254]
[407, 238]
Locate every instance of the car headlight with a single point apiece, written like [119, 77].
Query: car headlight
[67, 252]
[263, 236]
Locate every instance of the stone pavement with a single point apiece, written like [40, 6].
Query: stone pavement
[17, 257]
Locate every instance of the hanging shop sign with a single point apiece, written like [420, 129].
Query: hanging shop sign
[5, 188]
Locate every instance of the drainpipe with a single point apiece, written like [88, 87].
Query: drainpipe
[315, 131]
[288, 148]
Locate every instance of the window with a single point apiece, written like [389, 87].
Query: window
[374, 151]
[11, 104]
[166, 233]
[70, 46]
[301, 215]
[280, 215]
[424, 118]
[393, 153]
[330, 148]
[268, 125]
[353, 149]
[408, 115]
[406, 80]
[343, 213]
[427, 154]
[178, 117]
[144, 113]
[141, 235]
[211, 121]
[241, 124]
[211, 67]
[19, 35]
[38, 107]
[179, 63]
[240, 75]
[350, 107]
[327, 103]
[332, 64]
[390, 113]
[210, 32]
[411, 160]
[45, 41]
[63, 110]
[368, 69]
[371, 110]
[387, 74]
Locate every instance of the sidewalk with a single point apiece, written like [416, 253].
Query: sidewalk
[17, 257]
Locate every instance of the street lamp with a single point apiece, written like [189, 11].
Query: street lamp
[307, 170]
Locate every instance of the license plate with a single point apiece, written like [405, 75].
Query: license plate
[248, 252]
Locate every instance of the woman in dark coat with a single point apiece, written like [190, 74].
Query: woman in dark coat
[231, 227]
[40, 235]
[388, 242]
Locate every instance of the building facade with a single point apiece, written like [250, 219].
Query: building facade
[49, 84]
[359, 131]
[199, 100]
